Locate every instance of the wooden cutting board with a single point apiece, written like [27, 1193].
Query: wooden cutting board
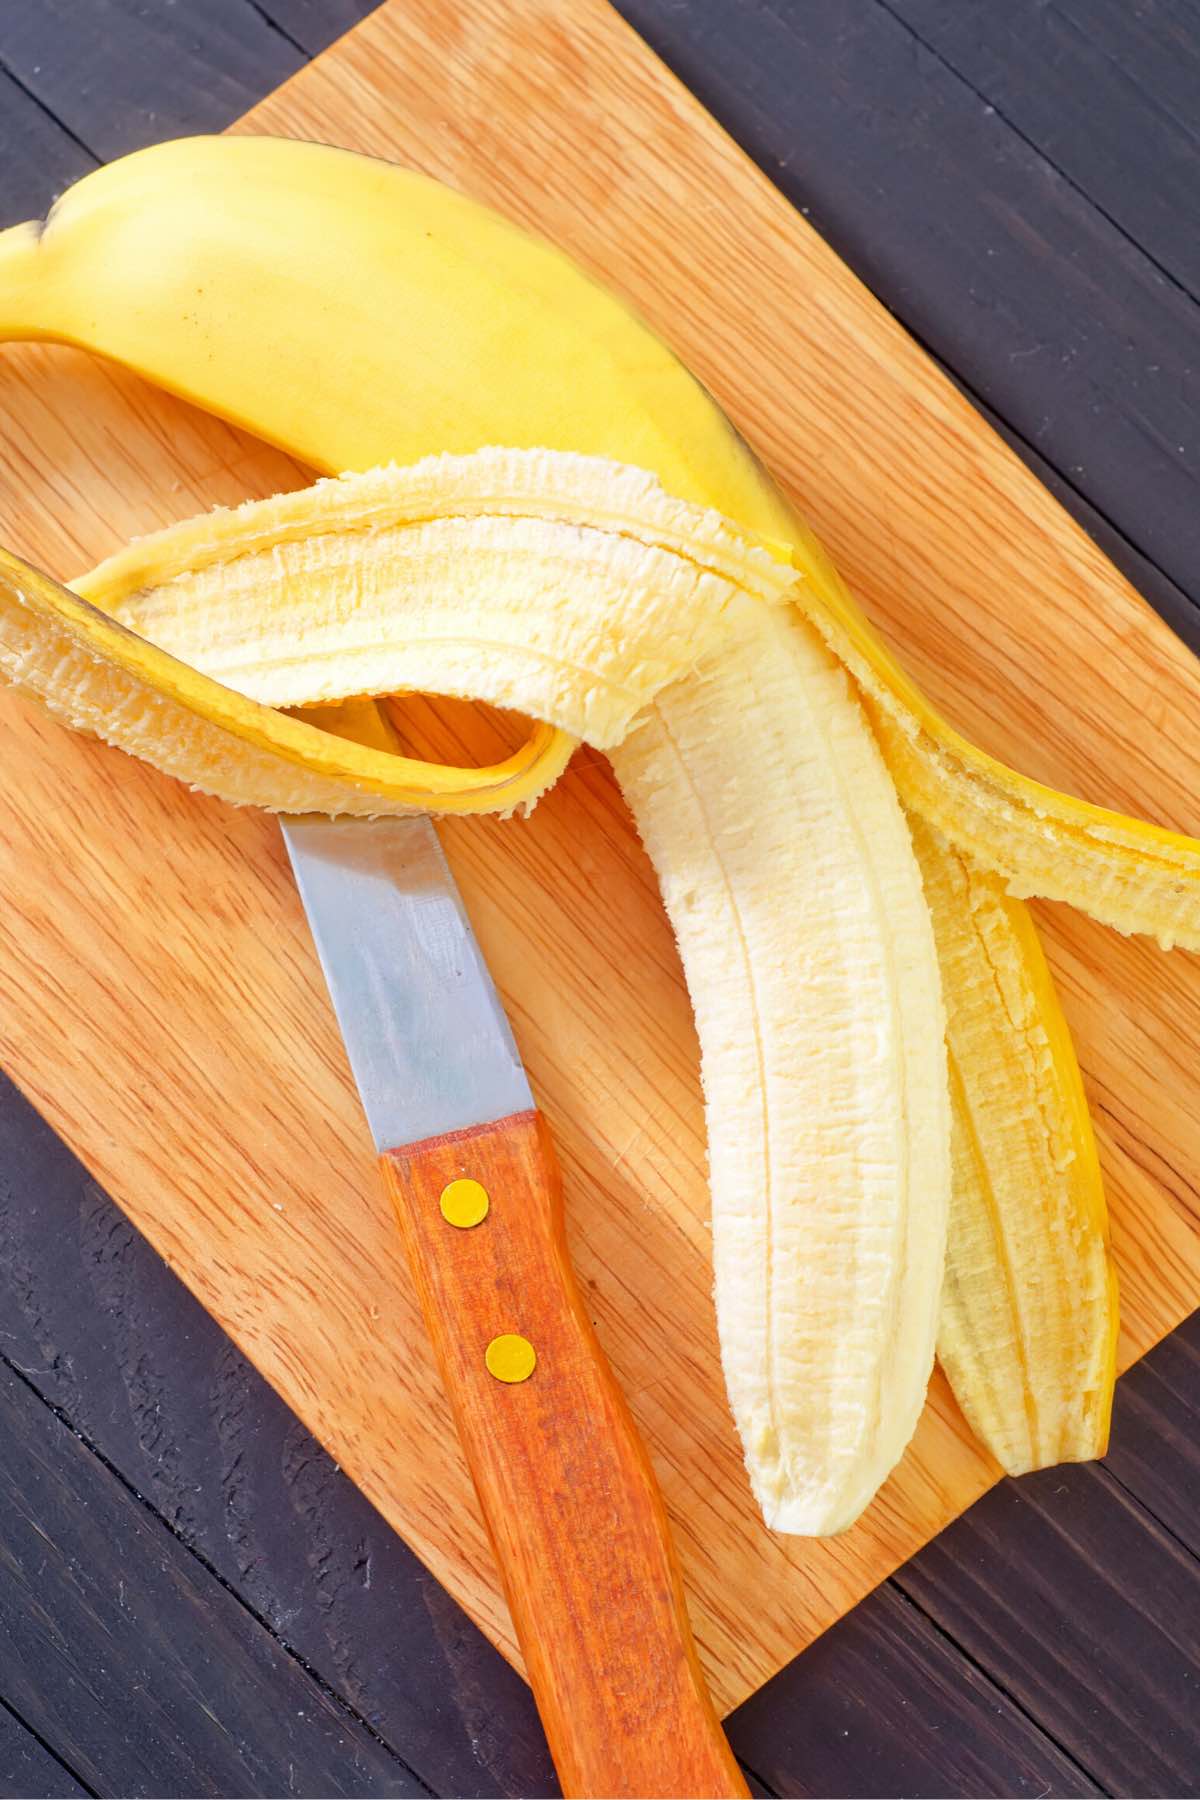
[159, 998]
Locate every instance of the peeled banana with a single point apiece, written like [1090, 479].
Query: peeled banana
[623, 571]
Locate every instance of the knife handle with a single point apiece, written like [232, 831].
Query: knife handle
[571, 1503]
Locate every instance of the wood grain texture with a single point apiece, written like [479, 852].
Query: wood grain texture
[27, 1767]
[572, 1508]
[1053, 71]
[1094, 1628]
[36, 153]
[1155, 1450]
[885, 1704]
[81, 1636]
[179, 920]
[101, 63]
[313, 24]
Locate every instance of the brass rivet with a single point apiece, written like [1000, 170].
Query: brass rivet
[510, 1358]
[464, 1203]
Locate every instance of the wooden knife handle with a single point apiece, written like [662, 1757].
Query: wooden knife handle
[571, 1502]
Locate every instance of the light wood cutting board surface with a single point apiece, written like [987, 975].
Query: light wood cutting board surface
[159, 999]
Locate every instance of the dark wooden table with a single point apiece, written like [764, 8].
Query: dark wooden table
[193, 1600]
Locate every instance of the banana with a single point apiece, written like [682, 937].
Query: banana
[1029, 1311]
[625, 573]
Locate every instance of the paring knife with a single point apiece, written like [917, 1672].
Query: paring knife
[571, 1504]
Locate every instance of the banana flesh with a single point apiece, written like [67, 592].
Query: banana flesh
[1029, 1310]
[788, 874]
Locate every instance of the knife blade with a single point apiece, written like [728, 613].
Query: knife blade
[428, 1040]
[570, 1501]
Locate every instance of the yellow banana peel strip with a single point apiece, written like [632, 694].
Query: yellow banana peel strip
[131, 673]
[1029, 1310]
[1124, 872]
[97, 676]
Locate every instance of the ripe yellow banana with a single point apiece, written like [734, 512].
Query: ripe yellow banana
[356, 313]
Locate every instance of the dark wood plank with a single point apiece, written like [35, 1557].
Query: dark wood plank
[104, 1331]
[128, 1656]
[1087, 1613]
[27, 1767]
[883, 1704]
[1012, 277]
[1057, 72]
[1155, 1451]
[120, 73]
[38, 159]
[313, 24]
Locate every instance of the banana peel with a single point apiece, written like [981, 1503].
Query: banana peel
[1028, 1331]
[96, 676]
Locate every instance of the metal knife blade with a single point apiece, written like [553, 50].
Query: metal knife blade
[429, 1042]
